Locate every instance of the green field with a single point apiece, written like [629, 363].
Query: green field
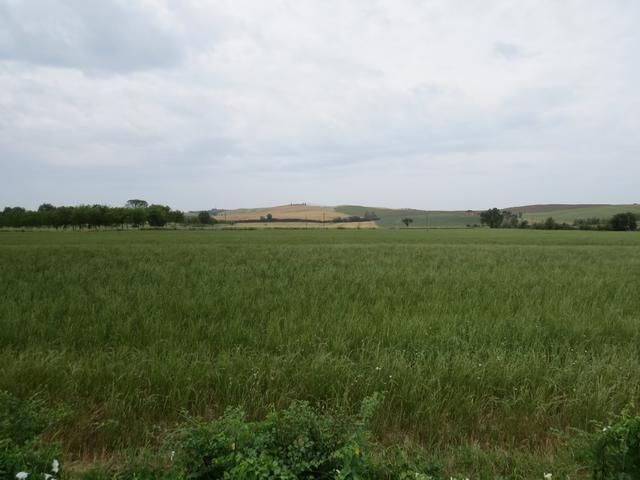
[486, 343]
[390, 217]
[568, 215]
[421, 218]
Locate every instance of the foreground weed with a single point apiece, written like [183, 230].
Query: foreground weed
[23, 452]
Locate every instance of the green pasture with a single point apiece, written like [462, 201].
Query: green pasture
[494, 342]
[569, 215]
[421, 218]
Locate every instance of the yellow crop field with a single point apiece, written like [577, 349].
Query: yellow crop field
[313, 225]
[310, 212]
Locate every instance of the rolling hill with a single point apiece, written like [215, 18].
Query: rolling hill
[293, 211]
[569, 213]
[421, 218]
[392, 217]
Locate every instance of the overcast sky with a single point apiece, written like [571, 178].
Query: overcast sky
[236, 103]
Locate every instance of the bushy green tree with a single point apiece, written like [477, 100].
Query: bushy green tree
[136, 217]
[550, 224]
[511, 220]
[624, 222]
[46, 207]
[492, 217]
[175, 216]
[136, 203]
[157, 215]
[204, 218]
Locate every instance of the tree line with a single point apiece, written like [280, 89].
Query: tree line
[136, 213]
[496, 218]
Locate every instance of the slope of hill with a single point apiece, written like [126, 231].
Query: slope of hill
[390, 217]
[569, 213]
[550, 207]
[297, 211]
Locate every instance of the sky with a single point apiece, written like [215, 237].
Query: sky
[436, 104]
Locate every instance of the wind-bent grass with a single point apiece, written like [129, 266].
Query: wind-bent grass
[480, 339]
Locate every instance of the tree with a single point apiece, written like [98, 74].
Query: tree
[136, 216]
[492, 217]
[550, 224]
[176, 216]
[624, 221]
[510, 220]
[14, 217]
[269, 217]
[46, 207]
[204, 217]
[136, 203]
[117, 216]
[63, 217]
[81, 216]
[157, 215]
[407, 221]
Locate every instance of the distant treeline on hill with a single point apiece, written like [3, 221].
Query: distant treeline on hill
[136, 213]
[495, 218]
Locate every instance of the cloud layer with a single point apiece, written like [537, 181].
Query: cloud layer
[434, 104]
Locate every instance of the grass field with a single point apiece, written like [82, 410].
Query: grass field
[568, 215]
[485, 342]
[421, 218]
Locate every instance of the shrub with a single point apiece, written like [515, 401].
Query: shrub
[22, 449]
[624, 221]
[613, 451]
[297, 443]
[616, 450]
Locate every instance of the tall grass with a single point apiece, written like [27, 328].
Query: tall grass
[479, 339]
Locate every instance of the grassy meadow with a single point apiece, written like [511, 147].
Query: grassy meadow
[390, 217]
[486, 343]
[569, 215]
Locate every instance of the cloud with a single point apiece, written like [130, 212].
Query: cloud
[225, 102]
[109, 36]
[509, 51]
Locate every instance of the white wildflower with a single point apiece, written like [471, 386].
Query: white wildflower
[173, 454]
[605, 429]
[547, 475]
[55, 466]
[21, 475]
[47, 476]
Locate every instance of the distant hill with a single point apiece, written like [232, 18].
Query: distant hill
[392, 217]
[550, 207]
[569, 213]
[292, 211]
